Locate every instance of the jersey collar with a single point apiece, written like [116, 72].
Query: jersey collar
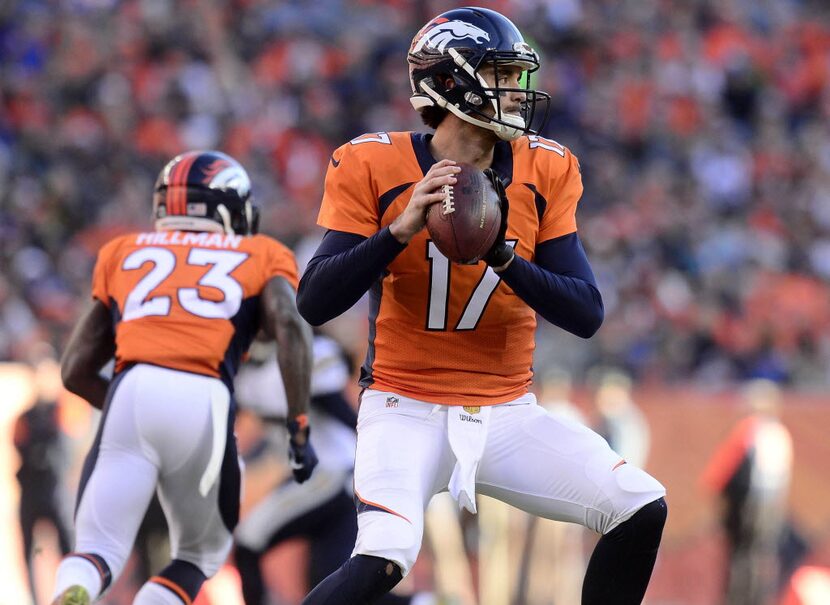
[502, 156]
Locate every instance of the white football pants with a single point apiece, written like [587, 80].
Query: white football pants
[550, 467]
[167, 429]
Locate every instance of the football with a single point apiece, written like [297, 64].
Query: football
[465, 224]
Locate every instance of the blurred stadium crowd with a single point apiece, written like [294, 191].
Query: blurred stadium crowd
[701, 126]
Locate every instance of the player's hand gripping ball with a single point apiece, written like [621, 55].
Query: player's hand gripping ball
[465, 224]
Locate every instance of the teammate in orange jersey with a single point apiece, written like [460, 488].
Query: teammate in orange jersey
[177, 308]
[446, 404]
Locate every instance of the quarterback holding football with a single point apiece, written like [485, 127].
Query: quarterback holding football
[446, 404]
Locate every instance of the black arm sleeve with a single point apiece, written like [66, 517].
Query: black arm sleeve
[336, 406]
[343, 268]
[559, 286]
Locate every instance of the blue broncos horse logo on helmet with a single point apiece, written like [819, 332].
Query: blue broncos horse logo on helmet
[442, 33]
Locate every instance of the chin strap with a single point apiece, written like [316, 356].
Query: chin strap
[226, 218]
[504, 132]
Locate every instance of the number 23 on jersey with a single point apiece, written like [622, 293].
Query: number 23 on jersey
[139, 302]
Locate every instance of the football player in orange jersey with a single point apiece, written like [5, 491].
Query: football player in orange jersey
[446, 404]
[177, 308]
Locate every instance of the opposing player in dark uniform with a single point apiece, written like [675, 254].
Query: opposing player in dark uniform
[178, 307]
[446, 404]
[321, 510]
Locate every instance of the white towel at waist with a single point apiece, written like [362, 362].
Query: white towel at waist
[467, 431]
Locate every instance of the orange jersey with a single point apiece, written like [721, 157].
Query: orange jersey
[187, 300]
[443, 332]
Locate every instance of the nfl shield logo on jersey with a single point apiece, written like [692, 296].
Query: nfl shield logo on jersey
[391, 401]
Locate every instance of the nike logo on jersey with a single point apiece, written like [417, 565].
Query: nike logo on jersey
[334, 162]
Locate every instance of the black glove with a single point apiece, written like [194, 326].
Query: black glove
[500, 252]
[301, 456]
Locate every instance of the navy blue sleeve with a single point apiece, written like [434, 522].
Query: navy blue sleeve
[343, 268]
[336, 406]
[559, 285]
